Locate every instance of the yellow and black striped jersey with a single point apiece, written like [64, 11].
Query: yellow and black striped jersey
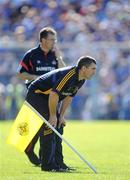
[63, 81]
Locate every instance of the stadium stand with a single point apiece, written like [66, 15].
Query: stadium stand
[100, 28]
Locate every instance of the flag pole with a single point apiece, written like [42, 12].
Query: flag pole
[66, 142]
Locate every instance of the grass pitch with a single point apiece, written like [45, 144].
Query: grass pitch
[105, 144]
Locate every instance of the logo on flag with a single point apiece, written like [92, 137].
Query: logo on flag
[23, 128]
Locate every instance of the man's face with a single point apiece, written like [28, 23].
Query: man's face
[49, 42]
[88, 72]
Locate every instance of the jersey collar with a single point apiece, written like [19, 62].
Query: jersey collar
[43, 50]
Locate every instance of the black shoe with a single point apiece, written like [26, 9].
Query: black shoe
[65, 167]
[55, 169]
[33, 158]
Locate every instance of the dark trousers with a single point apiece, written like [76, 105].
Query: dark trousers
[50, 143]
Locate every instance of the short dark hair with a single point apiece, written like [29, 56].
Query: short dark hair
[45, 31]
[85, 61]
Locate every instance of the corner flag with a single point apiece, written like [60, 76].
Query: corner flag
[25, 126]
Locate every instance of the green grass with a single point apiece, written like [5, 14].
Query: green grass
[105, 144]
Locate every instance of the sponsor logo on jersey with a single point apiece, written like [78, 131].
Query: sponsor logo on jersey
[70, 91]
[44, 68]
[38, 62]
[66, 94]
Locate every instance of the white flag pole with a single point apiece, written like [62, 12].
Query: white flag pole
[58, 134]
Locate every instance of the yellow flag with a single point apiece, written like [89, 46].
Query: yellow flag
[24, 128]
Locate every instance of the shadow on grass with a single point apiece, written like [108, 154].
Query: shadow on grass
[74, 170]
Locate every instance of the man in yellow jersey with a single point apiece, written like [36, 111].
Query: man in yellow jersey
[46, 92]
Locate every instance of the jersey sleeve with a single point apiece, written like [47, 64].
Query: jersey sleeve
[25, 65]
[64, 82]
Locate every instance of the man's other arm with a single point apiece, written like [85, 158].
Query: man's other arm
[61, 63]
[59, 58]
[53, 102]
[26, 76]
[65, 103]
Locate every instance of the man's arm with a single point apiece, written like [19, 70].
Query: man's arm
[66, 102]
[63, 85]
[61, 63]
[25, 71]
[26, 76]
[53, 102]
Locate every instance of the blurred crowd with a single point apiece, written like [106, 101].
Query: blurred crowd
[92, 20]
[100, 28]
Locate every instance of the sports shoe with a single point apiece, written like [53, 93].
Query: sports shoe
[33, 158]
[55, 169]
[65, 167]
